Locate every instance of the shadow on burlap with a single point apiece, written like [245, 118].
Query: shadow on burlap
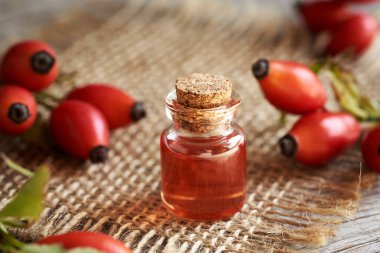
[142, 49]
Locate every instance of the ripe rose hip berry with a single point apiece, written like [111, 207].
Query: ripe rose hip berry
[31, 64]
[119, 108]
[79, 239]
[291, 87]
[357, 1]
[319, 137]
[323, 15]
[80, 129]
[371, 149]
[356, 34]
[18, 110]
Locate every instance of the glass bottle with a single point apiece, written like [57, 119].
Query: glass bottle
[203, 161]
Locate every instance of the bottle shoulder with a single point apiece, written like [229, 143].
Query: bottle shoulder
[171, 133]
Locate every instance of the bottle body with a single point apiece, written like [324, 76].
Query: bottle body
[203, 177]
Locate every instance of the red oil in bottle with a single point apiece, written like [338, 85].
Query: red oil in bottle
[203, 178]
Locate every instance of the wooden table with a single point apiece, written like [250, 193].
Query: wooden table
[21, 18]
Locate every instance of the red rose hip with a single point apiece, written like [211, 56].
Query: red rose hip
[324, 15]
[291, 87]
[78, 239]
[357, 1]
[31, 64]
[119, 108]
[319, 137]
[18, 110]
[356, 34]
[371, 149]
[80, 129]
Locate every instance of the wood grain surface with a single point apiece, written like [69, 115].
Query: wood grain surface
[21, 18]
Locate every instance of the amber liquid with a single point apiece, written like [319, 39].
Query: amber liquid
[203, 178]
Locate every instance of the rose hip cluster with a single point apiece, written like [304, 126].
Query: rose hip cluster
[87, 115]
[25, 67]
[318, 136]
[348, 29]
[80, 124]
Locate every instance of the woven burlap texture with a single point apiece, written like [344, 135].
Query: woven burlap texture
[143, 49]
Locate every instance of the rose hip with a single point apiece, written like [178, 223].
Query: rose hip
[31, 64]
[371, 149]
[319, 137]
[81, 239]
[324, 15]
[357, 1]
[18, 110]
[119, 108]
[81, 130]
[291, 87]
[356, 34]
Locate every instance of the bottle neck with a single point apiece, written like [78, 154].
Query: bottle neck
[202, 122]
[185, 128]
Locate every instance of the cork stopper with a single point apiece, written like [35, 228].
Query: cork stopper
[205, 99]
[203, 91]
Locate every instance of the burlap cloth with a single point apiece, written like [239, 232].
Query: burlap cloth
[142, 49]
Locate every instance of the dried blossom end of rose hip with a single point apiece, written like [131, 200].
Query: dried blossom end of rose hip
[99, 154]
[288, 145]
[138, 111]
[42, 62]
[260, 68]
[18, 113]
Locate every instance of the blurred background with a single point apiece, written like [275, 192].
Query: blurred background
[22, 18]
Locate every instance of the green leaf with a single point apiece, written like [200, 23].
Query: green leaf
[371, 107]
[316, 67]
[11, 164]
[7, 240]
[34, 248]
[4, 248]
[3, 229]
[352, 86]
[348, 94]
[283, 118]
[27, 205]
[38, 134]
[349, 105]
